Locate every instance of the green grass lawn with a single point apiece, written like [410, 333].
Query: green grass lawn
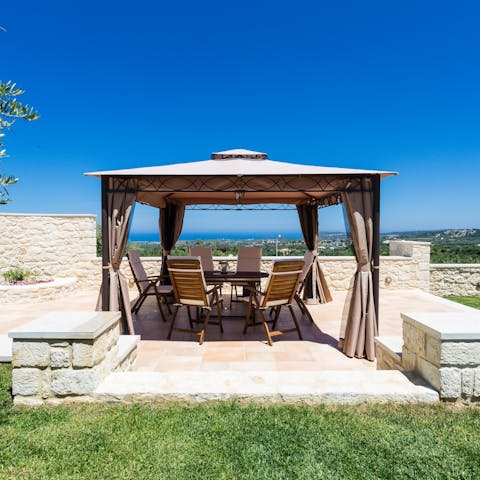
[472, 301]
[234, 441]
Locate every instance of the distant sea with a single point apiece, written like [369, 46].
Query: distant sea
[154, 236]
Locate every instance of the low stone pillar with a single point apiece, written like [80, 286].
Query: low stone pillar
[444, 349]
[63, 356]
[415, 274]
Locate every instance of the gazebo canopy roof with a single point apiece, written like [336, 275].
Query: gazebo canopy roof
[237, 177]
[237, 162]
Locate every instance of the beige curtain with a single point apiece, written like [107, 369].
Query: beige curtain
[170, 223]
[316, 288]
[119, 209]
[361, 325]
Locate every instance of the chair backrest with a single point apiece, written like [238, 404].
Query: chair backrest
[139, 274]
[308, 262]
[249, 259]
[205, 254]
[188, 281]
[282, 283]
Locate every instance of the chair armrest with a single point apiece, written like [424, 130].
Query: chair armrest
[215, 287]
[147, 280]
[254, 290]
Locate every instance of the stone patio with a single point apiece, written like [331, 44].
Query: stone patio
[233, 351]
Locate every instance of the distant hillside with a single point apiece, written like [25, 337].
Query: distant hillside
[465, 236]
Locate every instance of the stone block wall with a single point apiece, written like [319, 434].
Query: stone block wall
[65, 246]
[444, 349]
[49, 245]
[51, 370]
[455, 279]
[406, 268]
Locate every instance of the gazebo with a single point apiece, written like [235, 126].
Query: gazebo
[243, 177]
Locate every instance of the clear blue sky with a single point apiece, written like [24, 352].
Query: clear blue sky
[387, 85]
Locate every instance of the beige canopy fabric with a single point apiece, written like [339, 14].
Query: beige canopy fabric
[236, 165]
[361, 326]
[170, 224]
[237, 177]
[120, 206]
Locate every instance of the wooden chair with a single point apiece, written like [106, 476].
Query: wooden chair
[206, 258]
[249, 260]
[147, 285]
[190, 290]
[280, 292]
[308, 263]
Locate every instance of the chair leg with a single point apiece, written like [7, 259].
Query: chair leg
[303, 307]
[254, 316]
[205, 325]
[174, 316]
[231, 294]
[265, 327]
[168, 305]
[295, 322]
[139, 303]
[159, 302]
[134, 307]
[189, 316]
[277, 314]
[249, 314]
[219, 313]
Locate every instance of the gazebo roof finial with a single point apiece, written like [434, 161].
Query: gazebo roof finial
[239, 153]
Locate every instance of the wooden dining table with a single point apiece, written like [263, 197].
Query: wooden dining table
[249, 278]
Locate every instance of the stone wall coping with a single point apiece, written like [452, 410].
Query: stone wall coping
[454, 265]
[57, 282]
[411, 242]
[74, 215]
[66, 326]
[458, 326]
[392, 343]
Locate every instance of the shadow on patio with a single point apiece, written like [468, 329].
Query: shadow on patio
[232, 350]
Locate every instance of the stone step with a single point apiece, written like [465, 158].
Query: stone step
[127, 351]
[5, 349]
[353, 386]
[389, 352]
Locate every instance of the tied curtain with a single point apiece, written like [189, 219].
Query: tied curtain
[316, 288]
[361, 324]
[170, 224]
[119, 211]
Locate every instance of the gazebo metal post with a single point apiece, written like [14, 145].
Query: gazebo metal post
[105, 259]
[376, 243]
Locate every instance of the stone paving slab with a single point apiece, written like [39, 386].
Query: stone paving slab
[394, 343]
[126, 343]
[66, 326]
[447, 326]
[290, 387]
